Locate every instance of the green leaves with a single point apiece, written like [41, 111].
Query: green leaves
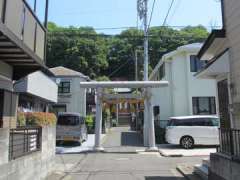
[99, 55]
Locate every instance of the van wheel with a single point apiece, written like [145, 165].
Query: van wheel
[187, 142]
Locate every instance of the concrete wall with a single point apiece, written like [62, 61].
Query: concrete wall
[222, 168]
[162, 96]
[180, 85]
[232, 20]
[33, 166]
[76, 99]
[4, 142]
[10, 109]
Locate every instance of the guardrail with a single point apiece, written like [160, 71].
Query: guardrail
[229, 142]
[24, 141]
[19, 17]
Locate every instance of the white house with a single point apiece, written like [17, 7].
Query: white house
[185, 95]
[71, 98]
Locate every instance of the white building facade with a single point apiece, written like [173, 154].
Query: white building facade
[71, 97]
[185, 95]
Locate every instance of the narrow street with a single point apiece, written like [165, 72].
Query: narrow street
[120, 161]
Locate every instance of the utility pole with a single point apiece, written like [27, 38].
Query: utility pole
[136, 65]
[142, 7]
[145, 21]
[136, 79]
[143, 14]
[149, 131]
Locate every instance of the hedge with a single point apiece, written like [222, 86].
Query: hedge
[36, 119]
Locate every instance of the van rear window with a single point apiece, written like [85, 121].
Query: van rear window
[194, 122]
[183, 122]
[68, 120]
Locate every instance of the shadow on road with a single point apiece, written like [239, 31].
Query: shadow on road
[163, 178]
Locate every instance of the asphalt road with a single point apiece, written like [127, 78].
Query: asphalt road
[119, 162]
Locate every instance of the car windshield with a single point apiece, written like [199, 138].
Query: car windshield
[68, 120]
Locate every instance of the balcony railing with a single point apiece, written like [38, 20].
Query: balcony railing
[230, 143]
[21, 20]
[24, 141]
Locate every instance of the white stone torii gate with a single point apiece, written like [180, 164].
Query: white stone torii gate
[149, 132]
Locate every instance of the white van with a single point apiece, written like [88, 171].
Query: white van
[193, 130]
[71, 127]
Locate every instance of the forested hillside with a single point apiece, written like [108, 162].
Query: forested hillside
[103, 56]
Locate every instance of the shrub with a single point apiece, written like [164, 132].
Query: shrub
[21, 120]
[90, 123]
[89, 120]
[40, 119]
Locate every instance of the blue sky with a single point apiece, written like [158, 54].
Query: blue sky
[122, 13]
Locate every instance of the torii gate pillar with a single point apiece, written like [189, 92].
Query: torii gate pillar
[98, 121]
[150, 122]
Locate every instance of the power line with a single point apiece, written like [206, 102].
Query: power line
[169, 9]
[150, 20]
[175, 10]
[119, 68]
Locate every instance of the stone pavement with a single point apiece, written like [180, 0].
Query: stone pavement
[121, 161]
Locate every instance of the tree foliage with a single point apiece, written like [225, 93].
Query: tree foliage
[102, 57]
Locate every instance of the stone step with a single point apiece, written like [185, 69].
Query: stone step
[187, 172]
[201, 171]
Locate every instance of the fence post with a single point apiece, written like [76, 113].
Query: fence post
[231, 142]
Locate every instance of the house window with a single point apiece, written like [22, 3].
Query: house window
[64, 87]
[204, 105]
[162, 71]
[196, 64]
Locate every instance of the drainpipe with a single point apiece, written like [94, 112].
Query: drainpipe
[230, 100]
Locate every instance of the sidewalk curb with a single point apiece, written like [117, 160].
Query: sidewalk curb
[173, 155]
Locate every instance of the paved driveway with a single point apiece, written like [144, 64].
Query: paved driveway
[120, 162]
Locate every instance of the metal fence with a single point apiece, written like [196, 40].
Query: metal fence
[230, 142]
[23, 141]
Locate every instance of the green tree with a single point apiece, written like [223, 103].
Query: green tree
[100, 56]
[78, 49]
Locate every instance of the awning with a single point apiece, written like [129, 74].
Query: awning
[38, 84]
[216, 67]
[212, 44]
